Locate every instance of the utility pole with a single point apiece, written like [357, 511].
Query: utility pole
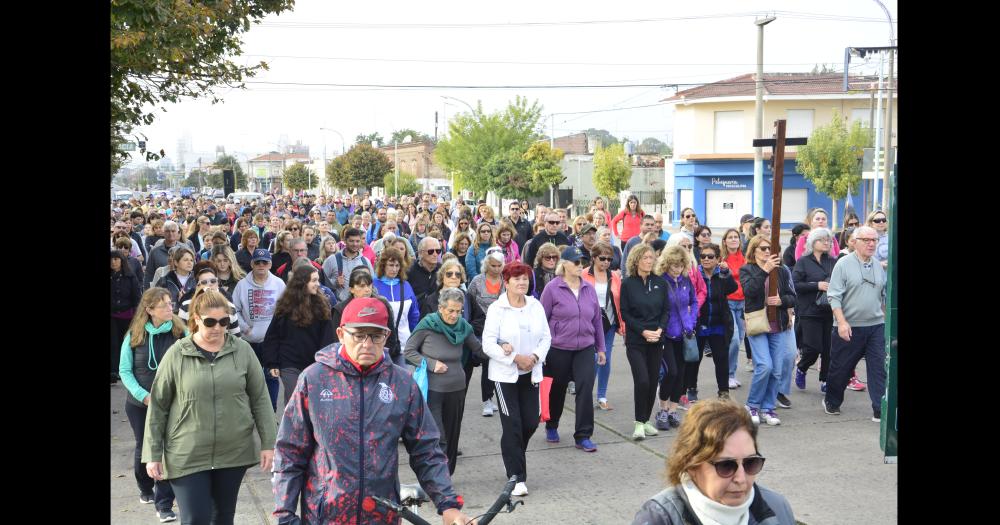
[888, 138]
[878, 134]
[758, 154]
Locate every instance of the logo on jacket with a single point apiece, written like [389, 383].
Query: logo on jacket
[326, 395]
[385, 393]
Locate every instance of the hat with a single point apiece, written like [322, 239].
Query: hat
[572, 254]
[260, 254]
[365, 312]
[587, 228]
[212, 207]
[746, 218]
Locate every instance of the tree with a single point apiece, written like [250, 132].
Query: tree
[338, 174]
[416, 136]
[226, 162]
[407, 183]
[367, 166]
[543, 164]
[163, 51]
[831, 159]
[510, 175]
[654, 145]
[612, 171]
[369, 138]
[476, 138]
[297, 177]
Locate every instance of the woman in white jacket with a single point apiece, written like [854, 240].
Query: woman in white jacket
[516, 337]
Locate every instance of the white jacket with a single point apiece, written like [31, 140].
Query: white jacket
[526, 329]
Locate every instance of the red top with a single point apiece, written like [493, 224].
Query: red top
[633, 224]
[735, 262]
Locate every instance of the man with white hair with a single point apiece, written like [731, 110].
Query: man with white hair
[857, 296]
[159, 255]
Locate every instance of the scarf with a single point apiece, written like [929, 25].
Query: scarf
[391, 282]
[152, 330]
[712, 512]
[456, 333]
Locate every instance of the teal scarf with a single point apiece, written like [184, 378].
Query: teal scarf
[456, 333]
[152, 330]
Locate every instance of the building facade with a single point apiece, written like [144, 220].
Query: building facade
[265, 172]
[415, 158]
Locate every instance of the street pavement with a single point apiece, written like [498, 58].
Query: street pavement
[829, 467]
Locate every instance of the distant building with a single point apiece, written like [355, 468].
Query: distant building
[415, 158]
[265, 172]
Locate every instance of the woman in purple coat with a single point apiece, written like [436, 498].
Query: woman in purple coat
[574, 317]
[682, 310]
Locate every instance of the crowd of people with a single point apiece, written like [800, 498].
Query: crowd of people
[340, 301]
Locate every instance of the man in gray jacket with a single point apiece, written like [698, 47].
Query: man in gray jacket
[256, 297]
[159, 255]
[857, 296]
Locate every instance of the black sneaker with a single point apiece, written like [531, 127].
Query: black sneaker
[146, 498]
[166, 515]
[784, 402]
[830, 410]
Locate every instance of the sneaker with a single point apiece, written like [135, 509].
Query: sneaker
[520, 489]
[166, 515]
[552, 435]
[754, 415]
[830, 410]
[571, 388]
[662, 422]
[146, 498]
[487, 408]
[586, 445]
[640, 431]
[602, 404]
[708, 351]
[856, 385]
[877, 417]
[770, 417]
[784, 402]
[496, 408]
[692, 395]
[822, 386]
[749, 366]
[800, 379]
[724, 394]
[684, 403]
[649, 429]
[458, 452]
[673, 419]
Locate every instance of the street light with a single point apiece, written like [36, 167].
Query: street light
[462, 101]
[758, 154]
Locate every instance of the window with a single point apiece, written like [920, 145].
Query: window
[862, 114]
[729, 132]
[800, 122]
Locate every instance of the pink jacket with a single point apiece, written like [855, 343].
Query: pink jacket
[800, 247]
[700, 290]
[510, 252]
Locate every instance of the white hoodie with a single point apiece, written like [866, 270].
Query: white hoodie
[526, 329]
[255, 305]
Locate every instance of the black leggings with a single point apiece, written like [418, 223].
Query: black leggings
[672, 384]
[815, 343]
[520, 412]
[644, 360]
[208, 497]
[720, 356]
[163, 496]
[564, 366]
[447, 409]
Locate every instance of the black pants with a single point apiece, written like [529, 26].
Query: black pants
[564, 366]
[163, 495]
[208, 497]
[118, 329]
[720, 356]
[520, 412]
[644, 360]
[270, 381]
[746, 345]
[815, 343]
[447, 409]
[672, 384]
[867, 342]
[485, 385]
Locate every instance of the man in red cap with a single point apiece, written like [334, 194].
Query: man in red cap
[336, 445]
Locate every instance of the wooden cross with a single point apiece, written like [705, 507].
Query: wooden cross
[778, 167]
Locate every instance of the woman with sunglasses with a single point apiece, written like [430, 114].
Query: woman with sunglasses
[484, 289]
[631, 215]
[197, 232]
[206, 278]
[545, 268]
[877, 220]
[712, 470]
[300, 327]
[731, 257]
[689, 221]
[700, 290]
[715, 322]
[608, 286]
[477, 254]
[770, 348]
[851, 220]
[206, 399]
[604, 235]
[702, 237]
[463, 225]
[816, 218]
[153, 330]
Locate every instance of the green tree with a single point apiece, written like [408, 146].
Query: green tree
[543, 165]
[476, 138]
[338, 174]
[369, 138]
[367, 166]
[226, 162]
[612, 171]
[297, 177]
[510, 175]
[416, 136]
[163, 51]
[831, 159]
[654, 145]
[407, 183]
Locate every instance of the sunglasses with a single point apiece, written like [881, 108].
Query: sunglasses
[879, 221]
[261, 262]
[554, 222]
[453, 274]
[434, 251]
[208, 281]
[727, 468]
[210, 322]
[708, 256]
[550, 257]
[764, 249]
[852, 224]
[689, 216]
[605, 259]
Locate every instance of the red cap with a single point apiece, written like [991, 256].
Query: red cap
[365, 311]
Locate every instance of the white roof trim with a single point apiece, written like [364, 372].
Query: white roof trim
[766, 98]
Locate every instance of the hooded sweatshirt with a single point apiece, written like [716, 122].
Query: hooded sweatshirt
[255, 305]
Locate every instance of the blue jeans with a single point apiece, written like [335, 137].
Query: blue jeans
[604, 371]
[785, 382]
[768, 357]
[736, 307]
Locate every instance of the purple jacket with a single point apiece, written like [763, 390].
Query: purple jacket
[682, 306]
[337, 443]
[574, 324]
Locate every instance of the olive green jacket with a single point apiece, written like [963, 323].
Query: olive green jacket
[202, 415]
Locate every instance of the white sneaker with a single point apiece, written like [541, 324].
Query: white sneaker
[733, 383]
[520, 489]
[571, 389]
[487, 408]
[769, 417]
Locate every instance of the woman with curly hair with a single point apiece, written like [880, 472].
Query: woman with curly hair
[682, 304]
[545, 268]
[300, 327]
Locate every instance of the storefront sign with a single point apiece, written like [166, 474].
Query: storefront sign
[728, 183]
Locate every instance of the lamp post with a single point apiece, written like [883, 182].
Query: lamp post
[758, 155]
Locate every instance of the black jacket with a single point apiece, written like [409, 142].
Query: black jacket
[141, 362]
[752, 279]
[278, 260]
[243, 259]
[524, 232]
[125, 291]
[287, 345]
[195, 241]
[715, 310]
[422, 281]
[173, 285]
[807, 274]
[644, 306]
[788, 258]
[559, 239]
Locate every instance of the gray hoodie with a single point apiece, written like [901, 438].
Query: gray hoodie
[255, 305]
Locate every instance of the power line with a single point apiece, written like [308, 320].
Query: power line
[522, 63]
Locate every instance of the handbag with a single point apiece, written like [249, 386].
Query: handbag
[757, 322]
[605, 322]
[420, 376]
[544, 390]
[822, 301]
[691, 351]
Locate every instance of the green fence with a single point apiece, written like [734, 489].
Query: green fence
[890, 424]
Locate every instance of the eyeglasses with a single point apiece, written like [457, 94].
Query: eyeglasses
[453, 274]
[726, 468]
[704, 234]
[689, 216]
[433, 251]
[867, 239]
[210, 322]
[708, 256]
[207, 282]
[294, 229]
[879, 221]
[603, 258]
[852, 224]
[360, 338]
[550, 257]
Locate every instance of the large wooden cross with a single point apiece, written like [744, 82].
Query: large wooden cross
[778, 144]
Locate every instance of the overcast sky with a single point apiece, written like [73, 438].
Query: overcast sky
[461, 43]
